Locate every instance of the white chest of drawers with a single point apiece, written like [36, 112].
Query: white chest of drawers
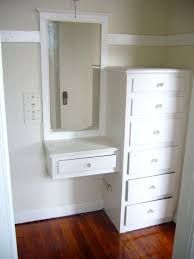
[146, 116]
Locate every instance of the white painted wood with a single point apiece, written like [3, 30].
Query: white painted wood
[45, 16]
[58, 211]
[185, 216]
[146, 214]
[156, 105]
[113, 39]
[80, 157]
[155, 132]
[8, 247]
[88, 164]
[150, 137]
[158, 84]
[150, 188]
[150, 40]
[154, 161]
[136, 40]
[20, 36]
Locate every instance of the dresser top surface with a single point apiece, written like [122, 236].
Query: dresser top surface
[128, 70]
[73, 146]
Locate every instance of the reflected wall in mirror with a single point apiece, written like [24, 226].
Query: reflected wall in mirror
[74, 75]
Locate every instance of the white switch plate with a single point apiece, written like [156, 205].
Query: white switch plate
[32, 111]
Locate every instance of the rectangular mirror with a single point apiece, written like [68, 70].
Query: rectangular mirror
[73, 53]
[74, 75]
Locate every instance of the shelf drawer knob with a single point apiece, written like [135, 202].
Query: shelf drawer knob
[160, 85]
[88, 165]
[150, 211]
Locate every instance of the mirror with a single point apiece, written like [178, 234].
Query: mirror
[74, 54]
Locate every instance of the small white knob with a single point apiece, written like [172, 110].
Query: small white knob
[88, 165]
[158, 106]
[152, 187]
[156, 132]
[154, 160]
[160, 85]
[150, 211]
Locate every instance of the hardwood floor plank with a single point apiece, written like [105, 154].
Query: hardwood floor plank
[91, 236]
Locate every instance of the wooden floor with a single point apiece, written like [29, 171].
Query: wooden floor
[91, 236]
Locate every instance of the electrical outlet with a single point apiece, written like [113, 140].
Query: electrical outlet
[32, 112]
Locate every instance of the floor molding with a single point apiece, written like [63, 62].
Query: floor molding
[113, 39]
[59, 211]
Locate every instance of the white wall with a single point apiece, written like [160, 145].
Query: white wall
[32, 189]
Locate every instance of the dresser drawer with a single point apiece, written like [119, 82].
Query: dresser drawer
[158, 84]
[148, 214]
[156, 105]
[150, 188]
[87, 164]
[154, 132]
[153, 160]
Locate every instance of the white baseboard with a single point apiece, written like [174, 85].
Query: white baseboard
[59, 211]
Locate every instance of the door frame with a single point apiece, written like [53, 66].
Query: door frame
[8, 246]
[184, 235]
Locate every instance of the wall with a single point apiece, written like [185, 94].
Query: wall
[32, 189]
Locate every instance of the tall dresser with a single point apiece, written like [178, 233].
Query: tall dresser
[146, 118]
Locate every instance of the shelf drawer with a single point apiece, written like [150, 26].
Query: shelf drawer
[150, 188]
[164, 159]
[156, 105]
[158, 84]
[148, 214]
[87, 164]
[154, 132]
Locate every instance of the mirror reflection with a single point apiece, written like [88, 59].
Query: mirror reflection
[74, 75]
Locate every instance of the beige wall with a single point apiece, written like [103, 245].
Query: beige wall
[32, 189]
[180, 20]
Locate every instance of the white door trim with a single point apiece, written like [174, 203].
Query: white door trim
[8, 247]
[183, 245]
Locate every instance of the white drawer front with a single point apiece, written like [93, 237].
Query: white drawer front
[150, 188]
[156, 105]
[145, 214]
[153, 160]
[158, 84]
[146, 132]
[87, 164]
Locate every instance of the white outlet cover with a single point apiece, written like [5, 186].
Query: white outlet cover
[32, 108]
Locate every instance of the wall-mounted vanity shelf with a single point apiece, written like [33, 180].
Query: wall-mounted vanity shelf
[80, 157]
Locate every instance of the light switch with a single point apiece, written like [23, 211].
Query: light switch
[32, 111]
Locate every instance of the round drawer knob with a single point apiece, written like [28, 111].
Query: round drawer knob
[152, 187]
[158, 106]
[150, 211]
[154, 160]
[88, 165]
[160, 85]
[156, 132]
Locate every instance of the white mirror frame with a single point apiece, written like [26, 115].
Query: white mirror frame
[68, 16]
